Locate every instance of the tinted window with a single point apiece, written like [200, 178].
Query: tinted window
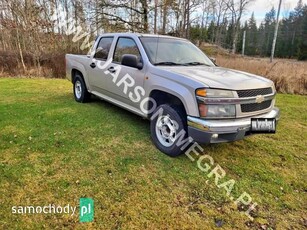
[103, 48]
[125, 46]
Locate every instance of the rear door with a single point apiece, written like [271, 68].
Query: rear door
[96, 74]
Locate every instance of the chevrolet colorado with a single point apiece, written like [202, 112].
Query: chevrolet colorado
[174, 84]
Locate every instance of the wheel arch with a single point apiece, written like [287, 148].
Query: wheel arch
[164, 97]
[75, 71]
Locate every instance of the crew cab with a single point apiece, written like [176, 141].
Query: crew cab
[171, 82]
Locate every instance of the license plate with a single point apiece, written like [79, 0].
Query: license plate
[263, 125]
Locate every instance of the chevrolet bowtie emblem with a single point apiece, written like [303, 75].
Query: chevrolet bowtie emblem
[259, 99]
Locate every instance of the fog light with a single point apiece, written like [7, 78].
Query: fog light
[215, 135]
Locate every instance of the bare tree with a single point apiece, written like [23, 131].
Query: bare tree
[155, 16]
[221, 10]
[237, 9]
[165, 13]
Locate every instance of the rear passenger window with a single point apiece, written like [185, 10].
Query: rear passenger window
[125, 46]
[103, 48]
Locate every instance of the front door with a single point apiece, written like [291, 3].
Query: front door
[123, 79]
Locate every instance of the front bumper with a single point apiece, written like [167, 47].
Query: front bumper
[202, 131]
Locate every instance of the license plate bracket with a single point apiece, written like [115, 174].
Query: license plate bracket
[263, 125]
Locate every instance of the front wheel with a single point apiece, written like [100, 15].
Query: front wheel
[80, 91]
[166, 128]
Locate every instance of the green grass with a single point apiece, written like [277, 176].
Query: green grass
[54, 151]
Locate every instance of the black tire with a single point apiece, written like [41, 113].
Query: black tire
[80, 91]
[170, 113]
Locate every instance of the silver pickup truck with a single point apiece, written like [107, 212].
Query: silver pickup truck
[168, 80]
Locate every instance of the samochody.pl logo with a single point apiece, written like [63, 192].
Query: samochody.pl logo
[86, 209]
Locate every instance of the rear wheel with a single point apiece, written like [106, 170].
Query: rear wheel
[80, 91]
[165, 129]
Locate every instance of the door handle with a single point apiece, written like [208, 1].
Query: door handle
[93, 65]
[112, 69]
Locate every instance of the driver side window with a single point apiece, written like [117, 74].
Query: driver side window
[125, 46]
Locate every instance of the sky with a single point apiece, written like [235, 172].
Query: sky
[261, 7]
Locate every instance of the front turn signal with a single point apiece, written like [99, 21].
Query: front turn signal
[201, 92]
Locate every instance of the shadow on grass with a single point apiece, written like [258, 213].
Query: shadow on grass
[144, 124]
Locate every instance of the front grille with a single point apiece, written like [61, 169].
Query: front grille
[246, 108]
[254, 92]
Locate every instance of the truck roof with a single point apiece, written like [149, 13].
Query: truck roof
[140, 35]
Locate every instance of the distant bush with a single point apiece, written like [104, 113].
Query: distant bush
[289, 76]
[55, 63]
[8, 63]
[50, 65]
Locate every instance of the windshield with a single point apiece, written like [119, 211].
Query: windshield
[172, 51]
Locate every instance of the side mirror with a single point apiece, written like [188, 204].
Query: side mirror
[131, 61]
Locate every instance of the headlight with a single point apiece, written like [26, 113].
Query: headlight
[215, 111]
[214, 93]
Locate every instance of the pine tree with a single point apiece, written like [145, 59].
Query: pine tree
[302, 46]
[269, 25]
[251, 36]
[211, 30]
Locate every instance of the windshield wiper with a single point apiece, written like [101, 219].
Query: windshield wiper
[167, 63]
[196, 63]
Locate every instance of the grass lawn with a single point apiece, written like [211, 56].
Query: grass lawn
[54, 151]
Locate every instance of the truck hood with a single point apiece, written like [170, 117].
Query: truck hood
[219, 77]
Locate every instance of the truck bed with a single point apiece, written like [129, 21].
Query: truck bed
[75, 61]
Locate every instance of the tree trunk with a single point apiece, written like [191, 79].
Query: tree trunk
[20, 52]
[164, 16]
[145, 16]
[187, 35]
[183, 25]
[155, 16]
